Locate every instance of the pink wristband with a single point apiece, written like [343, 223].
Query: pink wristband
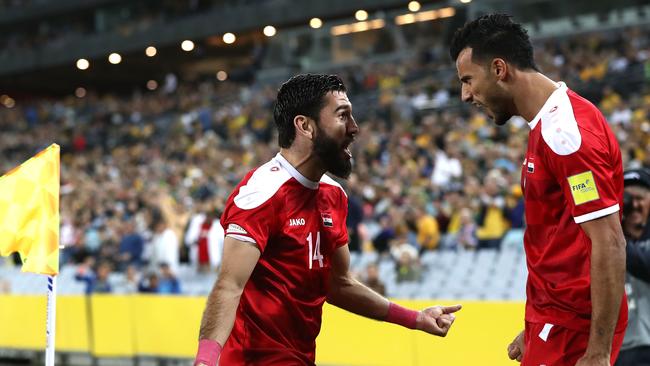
[208, 354]
[402, 316]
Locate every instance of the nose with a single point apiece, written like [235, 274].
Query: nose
[465, 94]
[353, 127]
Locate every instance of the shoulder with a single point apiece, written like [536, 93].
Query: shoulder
[260, 185]
[327, 181]
[559, 126]
[570, 123]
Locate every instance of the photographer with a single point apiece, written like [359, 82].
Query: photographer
[636, 345]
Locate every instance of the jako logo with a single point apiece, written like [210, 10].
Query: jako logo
[297, 222]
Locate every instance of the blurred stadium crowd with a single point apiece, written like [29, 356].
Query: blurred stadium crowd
[144, 176]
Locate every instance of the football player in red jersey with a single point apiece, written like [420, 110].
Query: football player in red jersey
[285, 251]
[572, 179]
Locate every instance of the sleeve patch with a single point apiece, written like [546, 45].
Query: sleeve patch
[583, 187]
[236, 229]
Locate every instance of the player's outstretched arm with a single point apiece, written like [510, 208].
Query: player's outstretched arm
[607, 285]
[239, 260]
[351, 295]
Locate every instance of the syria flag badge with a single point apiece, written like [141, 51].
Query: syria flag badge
[327, 220]
[531, 167]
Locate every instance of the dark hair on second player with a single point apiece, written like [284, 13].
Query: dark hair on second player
[302, 95]
[494, 35]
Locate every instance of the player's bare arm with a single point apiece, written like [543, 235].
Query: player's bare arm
[239, 260]
[351, 295]
[607, 279]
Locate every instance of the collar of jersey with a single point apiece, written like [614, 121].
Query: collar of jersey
[295, 173]
[551, 99]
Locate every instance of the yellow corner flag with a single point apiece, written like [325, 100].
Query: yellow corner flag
[29, 212]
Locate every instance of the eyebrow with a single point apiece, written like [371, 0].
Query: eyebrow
[343, 106]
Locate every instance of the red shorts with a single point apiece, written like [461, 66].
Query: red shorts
[553, 345]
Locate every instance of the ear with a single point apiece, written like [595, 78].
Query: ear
[499, 68]
[303, 126]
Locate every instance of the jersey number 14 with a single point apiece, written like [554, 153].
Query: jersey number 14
[314, 253]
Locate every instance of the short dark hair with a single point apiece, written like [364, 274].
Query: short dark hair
[495, 35]
[302, 95]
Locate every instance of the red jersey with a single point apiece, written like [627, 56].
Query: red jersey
[297, 224]
[572, 174]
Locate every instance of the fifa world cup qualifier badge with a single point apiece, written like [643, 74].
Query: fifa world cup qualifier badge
[583, 187]
[327, 219]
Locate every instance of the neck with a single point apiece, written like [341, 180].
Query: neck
[305, 163]
[532, 91]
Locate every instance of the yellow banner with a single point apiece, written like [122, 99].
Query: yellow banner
[29, 212]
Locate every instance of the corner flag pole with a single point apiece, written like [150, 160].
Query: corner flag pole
[51, 320]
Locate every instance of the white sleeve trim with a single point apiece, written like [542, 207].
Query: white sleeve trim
[596, 214]
[242, 238]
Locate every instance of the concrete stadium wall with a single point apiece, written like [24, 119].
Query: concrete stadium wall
[141, 325]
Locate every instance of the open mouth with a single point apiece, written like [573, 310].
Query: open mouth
[346, 149]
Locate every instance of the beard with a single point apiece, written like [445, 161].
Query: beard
[331, 155]
[498, 104]
[500, 118]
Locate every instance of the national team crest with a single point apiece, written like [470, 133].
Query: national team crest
[327, 220]
[531, 167]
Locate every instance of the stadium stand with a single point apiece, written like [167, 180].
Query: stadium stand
[152, 147]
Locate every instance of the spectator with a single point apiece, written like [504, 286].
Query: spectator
[407, 263]
[428, 234]
[493, 224]
[149, 284]
[466, 235]
[636, 219]
[447, 166]
[131, 246]
[514, 238]
[168, 283]
[164, 244]
[381, 242]
[205, 236]
[129, 285]
[96, 281]
[355, 213]
[372, 279]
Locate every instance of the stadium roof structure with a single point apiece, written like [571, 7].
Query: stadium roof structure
[50, 69]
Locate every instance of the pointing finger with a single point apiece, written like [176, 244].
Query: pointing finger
[451, 309]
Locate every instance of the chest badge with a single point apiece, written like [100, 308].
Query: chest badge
[530, 167]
